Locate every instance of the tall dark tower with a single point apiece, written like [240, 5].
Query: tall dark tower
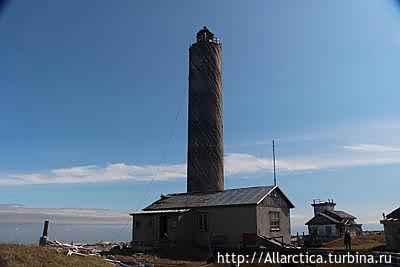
[205, 168]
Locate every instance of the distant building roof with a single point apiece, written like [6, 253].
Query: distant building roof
[229, 197]
[340, 214]
[394, 214]
[331, 216]
[322, 219]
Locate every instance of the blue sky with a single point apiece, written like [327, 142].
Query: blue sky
[89, 92]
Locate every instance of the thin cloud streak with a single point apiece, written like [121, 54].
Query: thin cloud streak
[21, 214]
[97, 174]
[372, 148]
[235, 164]
[370, 132]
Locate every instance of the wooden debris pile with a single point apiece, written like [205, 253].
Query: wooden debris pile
[97, 249]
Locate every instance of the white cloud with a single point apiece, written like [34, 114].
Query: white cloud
[372, 148]
[97, 174]
[235, 164]
[364, 152]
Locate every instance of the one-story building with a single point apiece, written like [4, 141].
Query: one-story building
[228, 218]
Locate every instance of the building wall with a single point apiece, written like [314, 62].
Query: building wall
[144, 228]
[274, 202]
[322, 230]
[392, 235]
[226, 225]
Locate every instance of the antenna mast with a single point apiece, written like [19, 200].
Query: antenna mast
[273, 156]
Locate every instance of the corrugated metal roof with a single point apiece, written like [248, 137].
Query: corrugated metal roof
[336, 216]
[250, 195]
[239, 196]
[321, 219]
[329, 217]
[341, 214]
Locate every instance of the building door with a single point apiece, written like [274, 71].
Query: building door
[163, 226]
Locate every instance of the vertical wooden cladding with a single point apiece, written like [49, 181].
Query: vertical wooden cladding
[205, 168]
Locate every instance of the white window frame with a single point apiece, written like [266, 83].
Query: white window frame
[274, 221]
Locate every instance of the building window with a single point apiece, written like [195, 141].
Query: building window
[275, 221]
[203, 222]
[328, 230]
[313, 230]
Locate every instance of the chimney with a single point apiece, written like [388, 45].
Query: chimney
[205, 159]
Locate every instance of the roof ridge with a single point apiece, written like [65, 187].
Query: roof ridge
[395, 214]
[339, 210]
[215, 192]
[346, 212]
[258, 186]
[323, 215]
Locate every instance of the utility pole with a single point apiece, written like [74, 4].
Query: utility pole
[273, 156]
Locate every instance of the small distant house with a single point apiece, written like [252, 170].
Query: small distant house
[226, 218]
[329, 223]
[391, 224]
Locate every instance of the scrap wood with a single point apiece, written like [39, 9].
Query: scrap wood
[70, 252]
[120, 263]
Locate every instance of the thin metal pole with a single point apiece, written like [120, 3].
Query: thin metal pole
[273, 155]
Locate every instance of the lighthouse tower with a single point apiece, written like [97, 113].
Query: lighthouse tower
[205, 159]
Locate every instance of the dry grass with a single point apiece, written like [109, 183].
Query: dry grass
[367, 242]
[35, 256]
[173, 256]
[157, 261]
